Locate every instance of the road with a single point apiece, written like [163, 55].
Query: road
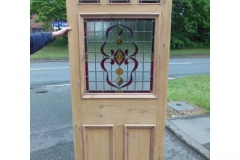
[51, 117]
[57, 73]
[179, 67]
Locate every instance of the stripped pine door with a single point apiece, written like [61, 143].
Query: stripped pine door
[119, 54]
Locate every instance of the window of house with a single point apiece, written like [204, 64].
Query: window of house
[35, 30]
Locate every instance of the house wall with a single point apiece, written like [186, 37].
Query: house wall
[37, 27]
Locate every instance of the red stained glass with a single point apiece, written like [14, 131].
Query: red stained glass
[151, 83]
[87, 84]
[102, 91]
[151, 68]
[136, 91]
[86, 68]
[129, 91]
[85, 45]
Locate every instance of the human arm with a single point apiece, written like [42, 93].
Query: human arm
[41, 39]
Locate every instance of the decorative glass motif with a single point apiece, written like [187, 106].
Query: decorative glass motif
[119, 55]
[119, 71]
[119, 41]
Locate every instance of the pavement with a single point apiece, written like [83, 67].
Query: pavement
[192, 130]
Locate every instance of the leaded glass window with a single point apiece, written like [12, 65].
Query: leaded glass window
[149, 1]
[119, 55]
[89, 1]
[119, 1]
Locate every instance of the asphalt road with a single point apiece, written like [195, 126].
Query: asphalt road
[50, 114]
[57, 73]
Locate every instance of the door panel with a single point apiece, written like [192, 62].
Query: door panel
[139, 142]
[98, 142]
[119, 53]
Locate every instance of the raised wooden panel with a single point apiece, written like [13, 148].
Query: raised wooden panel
[139, 142]
[119, 113]
[98, 142]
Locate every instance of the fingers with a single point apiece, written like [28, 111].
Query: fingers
[62, 32]
[66, 30]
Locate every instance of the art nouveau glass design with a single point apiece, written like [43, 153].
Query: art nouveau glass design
[119, 55]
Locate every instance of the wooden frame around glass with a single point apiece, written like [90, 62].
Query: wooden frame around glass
[154, 15]
[92, 3]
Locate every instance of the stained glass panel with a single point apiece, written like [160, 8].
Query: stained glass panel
[119, 1]
[89, 1]
[119, 55]
[149, 1]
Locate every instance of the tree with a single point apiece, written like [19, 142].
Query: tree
[190, 23]
[48, 10]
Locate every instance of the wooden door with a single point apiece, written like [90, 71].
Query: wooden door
[119, 53]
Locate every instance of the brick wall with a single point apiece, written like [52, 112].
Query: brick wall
[36, 25]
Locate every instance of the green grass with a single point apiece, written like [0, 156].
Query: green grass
[55, 52]
[51, 52]
[189, 52]
[193, 89]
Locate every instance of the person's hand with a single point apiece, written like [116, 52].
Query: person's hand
[62, 32]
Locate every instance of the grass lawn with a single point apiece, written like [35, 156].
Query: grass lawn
[193, 89]
[189, 52]
[53, 52]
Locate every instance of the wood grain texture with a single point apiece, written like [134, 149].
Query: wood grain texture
[92, 113]
[119, 114]
[98, 142]
[139, 142]
[94, 15]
